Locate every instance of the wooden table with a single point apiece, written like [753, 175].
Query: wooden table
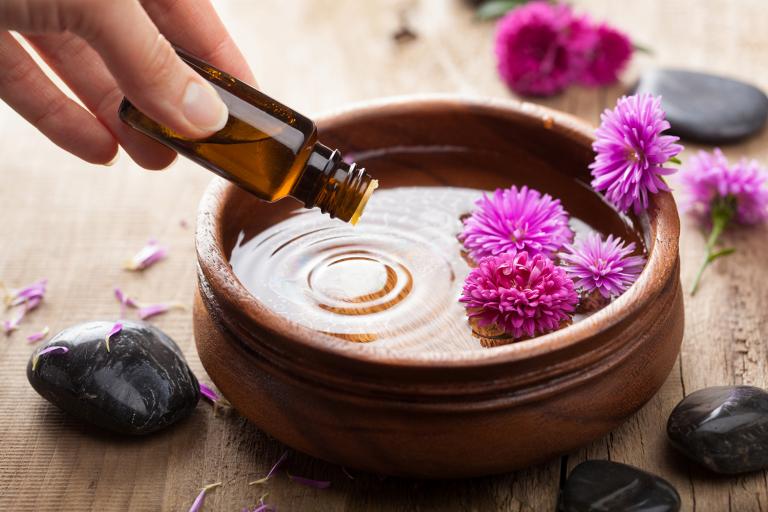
[75, 223]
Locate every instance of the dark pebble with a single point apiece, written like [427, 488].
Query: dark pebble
[141, 385]
[602, 485]
[707, 108]
[725, 428]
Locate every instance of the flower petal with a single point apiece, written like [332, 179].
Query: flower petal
[208, 393]
[39, 336]
[47, 350]
[147, 256]
[317, 484]
[197, 505]
[116, 328]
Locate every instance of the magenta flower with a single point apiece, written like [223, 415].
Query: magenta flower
[606, 266]
[722, 193]
[540, 48]
[608, 56]
[514, 220]
[631, 152]
[521, 294]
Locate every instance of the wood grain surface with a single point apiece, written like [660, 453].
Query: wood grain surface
[75, 223]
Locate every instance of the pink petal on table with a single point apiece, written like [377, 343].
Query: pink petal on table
[116, 328]
[197, 505]
[158, 309]
[125, 301]
[11, 325]
[317, 484]
[275, 467]
[39, 336]
[147, 256]
[208, 393]
[35, 291]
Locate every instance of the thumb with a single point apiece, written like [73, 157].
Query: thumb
[147, 69]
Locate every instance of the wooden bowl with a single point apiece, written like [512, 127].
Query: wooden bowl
[458, 413]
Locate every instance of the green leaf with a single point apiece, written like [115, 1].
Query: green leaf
[496, 8]
[675, 160]
[719, 254]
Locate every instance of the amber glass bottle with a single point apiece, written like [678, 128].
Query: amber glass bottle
[267, 149]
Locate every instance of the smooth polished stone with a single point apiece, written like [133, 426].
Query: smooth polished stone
[725, 428]
[707, 108]
[605, 486]
[141, 385]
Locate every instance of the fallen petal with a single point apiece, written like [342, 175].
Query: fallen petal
[112, 332]
[209, 393]
[151, 310]
[197, 505]
[47, 350]
[317, 484]
[39, 336]
[275, 467]
[147, 256]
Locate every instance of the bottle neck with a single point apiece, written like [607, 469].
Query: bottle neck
[338, 188]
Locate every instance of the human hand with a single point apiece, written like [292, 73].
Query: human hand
[105, 49]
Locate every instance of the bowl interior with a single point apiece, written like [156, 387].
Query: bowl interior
[433, 144]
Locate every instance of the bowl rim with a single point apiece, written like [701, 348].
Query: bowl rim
[660, 225]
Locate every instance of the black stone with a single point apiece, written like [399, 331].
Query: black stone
[725, 428]
[602, 485]
[707, 108]
[141, 385]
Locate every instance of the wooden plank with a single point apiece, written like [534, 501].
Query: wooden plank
[75, 223]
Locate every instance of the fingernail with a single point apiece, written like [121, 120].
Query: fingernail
[203, 108]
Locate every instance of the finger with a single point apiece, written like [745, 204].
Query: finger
[81, 68]
[142, 61]
[195, 26]
[25, 87]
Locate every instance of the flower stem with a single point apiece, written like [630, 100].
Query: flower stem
[722, 213]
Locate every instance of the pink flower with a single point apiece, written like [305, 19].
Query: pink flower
[708, 178]
[722, 193]
[540, 48]
[607, 266]
[608, 57]
[631, 152]
[514, 220]
[521, 294]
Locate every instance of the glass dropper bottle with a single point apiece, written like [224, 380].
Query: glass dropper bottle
[266, 148]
